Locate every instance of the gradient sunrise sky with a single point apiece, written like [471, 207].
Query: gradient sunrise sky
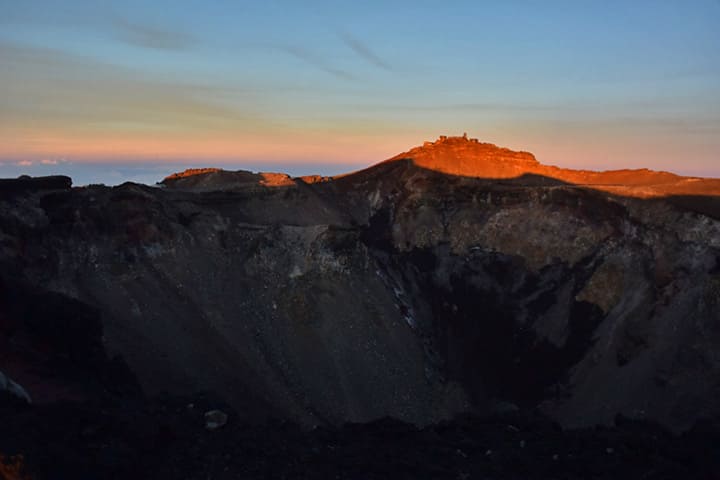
[134, 89]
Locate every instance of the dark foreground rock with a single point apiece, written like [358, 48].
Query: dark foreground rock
[167, 438]
[23, 184]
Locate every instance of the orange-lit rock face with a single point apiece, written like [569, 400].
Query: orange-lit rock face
[205, 179]
[315, 178]
[275, 180]
[468, 157]
[190, 172]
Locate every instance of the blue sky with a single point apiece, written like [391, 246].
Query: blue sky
[319, 85]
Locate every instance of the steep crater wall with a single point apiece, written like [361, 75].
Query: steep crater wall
[397, 291]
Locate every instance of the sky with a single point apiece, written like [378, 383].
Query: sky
[109, 91]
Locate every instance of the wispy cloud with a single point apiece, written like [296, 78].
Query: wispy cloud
[468, 107]
[315, 60]
[24, 163]
[364, 51]
[152, 37]
[83, 93]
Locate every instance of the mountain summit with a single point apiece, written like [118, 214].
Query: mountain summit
[470, 157]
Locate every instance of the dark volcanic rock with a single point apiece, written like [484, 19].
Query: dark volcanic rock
[163, 438]
[10, 186]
